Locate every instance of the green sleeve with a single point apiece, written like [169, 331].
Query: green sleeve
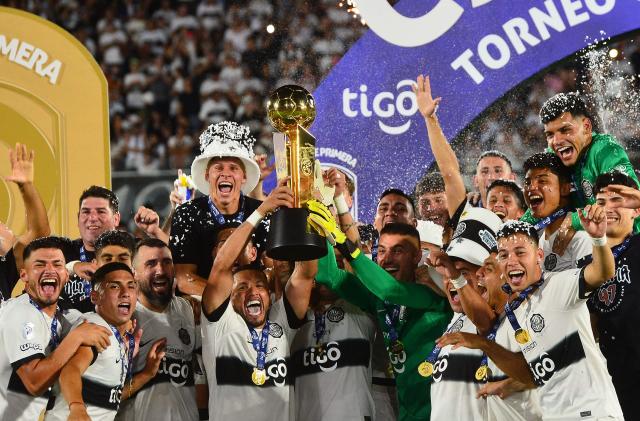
[612, 156]
[343, 283]
[527, 217]
[386, 287]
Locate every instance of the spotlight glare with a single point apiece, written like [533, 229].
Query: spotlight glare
[270, 28]
[613, 53]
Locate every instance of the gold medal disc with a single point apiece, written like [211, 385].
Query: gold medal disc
[522, 336]
[258, 377]
[425, 369]
[481, 372]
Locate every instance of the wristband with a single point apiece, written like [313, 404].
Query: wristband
[255, 218]
[70, 266]
[341, 204]
[459, 282]
[599, 242]
[348, 250]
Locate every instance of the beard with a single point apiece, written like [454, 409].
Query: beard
[156, 299]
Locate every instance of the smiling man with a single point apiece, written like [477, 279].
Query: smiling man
[225, 172]
[505, 199]
[246, 338]
[569, 129]
[98, 213]
[31, 325]
[91, 383]
[170, 394]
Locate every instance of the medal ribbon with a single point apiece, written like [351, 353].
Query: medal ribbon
[219, 217]
[320, 326]
[86, 284]
[436, 350]
[545, 222]
[127, 366]
[260, 344]
[615, 250]
[55, 338]
[491, 337]
[510, 307]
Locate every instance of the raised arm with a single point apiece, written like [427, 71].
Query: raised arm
[347, 224]
[220, 280]
[148, 221]
[71, 382]
[603, 265]
[298, 289]
[22, 173]
[442, 151]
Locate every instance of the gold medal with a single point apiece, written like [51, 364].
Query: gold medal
[481, 372]
[522, 336]
[425, 369]
[258, 377]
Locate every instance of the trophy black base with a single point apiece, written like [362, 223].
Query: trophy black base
[289, 238]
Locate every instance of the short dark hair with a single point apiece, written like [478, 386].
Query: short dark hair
[150, 242]
[51, 242]
[613, 177]
[104, 270]
[549, 161]
[560, 103]
[103, 193]
[511, 185]
[496, 154]
[115, 238]
[398, 228]
[518, 227]
[430, 183]
[398, 192]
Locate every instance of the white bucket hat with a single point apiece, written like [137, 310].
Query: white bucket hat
[475, 236]
[226, 139]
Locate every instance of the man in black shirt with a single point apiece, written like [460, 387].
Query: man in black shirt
[98, 213]
[615, 303]
[225, 172]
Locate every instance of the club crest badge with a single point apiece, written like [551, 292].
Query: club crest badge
[275, 330]
[537, 323]
[335, 314]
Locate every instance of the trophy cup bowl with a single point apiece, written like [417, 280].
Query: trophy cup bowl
[291, 110]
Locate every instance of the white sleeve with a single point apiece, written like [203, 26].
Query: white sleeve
[24, 335]
[566, 288]
[580, 246]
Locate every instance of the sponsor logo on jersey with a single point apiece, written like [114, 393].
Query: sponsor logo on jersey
[74, 289]
[183, 334]
[275, 330]
[335, 314]
[29, 345]
[542, 368]
[277, 371]
[537, 323]
[177, 371]
[326, 359]
[439, 367]
[27, 331]
[397, 361]
[609, 296]
[587, 188]
[550, 262]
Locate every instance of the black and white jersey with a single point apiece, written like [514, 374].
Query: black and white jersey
[519, 406]
[76, 292]
[573, 382]
[170, 395]
[454, 375]
[25, 335]
[333, 373]
[579, 246]
[616, 304]
[229, 359]
[102, 381]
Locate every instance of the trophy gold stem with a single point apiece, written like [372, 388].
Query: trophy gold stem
[294, 159]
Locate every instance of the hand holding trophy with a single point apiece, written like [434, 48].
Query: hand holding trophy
[291, 110]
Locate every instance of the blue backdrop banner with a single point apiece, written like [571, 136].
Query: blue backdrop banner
[474, 50]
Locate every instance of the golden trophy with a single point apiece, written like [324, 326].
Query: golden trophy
[291, 110]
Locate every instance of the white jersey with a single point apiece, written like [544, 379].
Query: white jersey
[229, 360]
[25, 335]
[170, 395]
[579, 246]
[102, 381]
[519, 406]
[573, 382]
[333, 374]
[454, 375]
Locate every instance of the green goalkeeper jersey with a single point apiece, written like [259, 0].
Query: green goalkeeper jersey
[603, 155]
[423, 317]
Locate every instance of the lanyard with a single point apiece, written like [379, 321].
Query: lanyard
[482, 373]
[522, 335]
[86, 284]
[320, 326]
[127, 366]
[220, 219]
[620, 248]
[426, 367]
[260, 344]
[55, 338]
[545, 222]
